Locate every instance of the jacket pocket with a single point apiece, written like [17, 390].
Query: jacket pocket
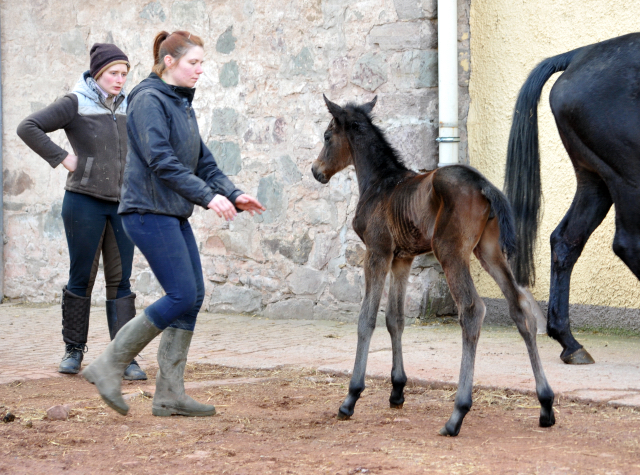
[87, 171]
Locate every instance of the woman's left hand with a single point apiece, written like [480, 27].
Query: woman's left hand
[250, 204]
[223, 207]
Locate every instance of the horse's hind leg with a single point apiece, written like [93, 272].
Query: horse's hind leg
[626, 242]
[589, 207]
[376, 267]
[471, 311]
[400, 269]
[520, 301]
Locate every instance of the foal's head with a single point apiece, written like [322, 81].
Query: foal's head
[336, 154]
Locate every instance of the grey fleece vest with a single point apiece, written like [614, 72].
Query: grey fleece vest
[97, 134]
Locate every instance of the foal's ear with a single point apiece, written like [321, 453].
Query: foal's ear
[336, 111]
[368, 107]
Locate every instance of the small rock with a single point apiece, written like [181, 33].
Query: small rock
[29, 424]
[8, 417]
[58, 413]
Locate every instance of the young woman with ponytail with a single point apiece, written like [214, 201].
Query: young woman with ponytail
[169, 169]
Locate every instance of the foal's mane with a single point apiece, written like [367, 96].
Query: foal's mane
[379, 141]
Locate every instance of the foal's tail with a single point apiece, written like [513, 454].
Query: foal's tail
[522, 177]
[501, 209]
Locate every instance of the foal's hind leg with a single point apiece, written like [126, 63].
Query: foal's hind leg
[589, 207]
[376, 267]
[400, 269]
[471, 310]
[520, 301]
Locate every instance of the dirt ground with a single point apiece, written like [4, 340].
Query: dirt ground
[284, 421]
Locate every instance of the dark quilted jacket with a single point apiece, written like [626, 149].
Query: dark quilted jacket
[169, 168]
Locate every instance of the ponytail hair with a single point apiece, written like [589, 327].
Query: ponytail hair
[174, 44]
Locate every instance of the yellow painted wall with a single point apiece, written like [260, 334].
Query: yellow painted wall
[508, 38]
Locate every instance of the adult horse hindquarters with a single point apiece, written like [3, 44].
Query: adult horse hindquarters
[596, 105]
[452, 212]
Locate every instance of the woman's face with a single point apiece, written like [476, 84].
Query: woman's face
[113, 79]
[187, 70]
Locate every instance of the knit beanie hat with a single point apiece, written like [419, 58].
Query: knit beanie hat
[103, 56]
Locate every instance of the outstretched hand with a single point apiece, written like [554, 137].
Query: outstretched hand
[250, 204]
[223, 207]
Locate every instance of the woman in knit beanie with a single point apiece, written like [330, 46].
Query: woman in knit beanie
[94, 118]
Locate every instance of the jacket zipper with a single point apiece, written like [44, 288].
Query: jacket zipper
[120, 174]
[189, 110]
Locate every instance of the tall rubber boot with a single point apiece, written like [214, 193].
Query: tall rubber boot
[170, 398]
[119, 312]
[107, 369]
[75, 328]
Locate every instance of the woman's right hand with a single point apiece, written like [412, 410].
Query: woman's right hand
[223, 207]
[70, 163]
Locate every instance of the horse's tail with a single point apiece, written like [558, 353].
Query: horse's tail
[522, 177]
[501, 209]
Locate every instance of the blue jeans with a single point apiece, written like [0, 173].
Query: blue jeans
[170, 248]
[93, 226]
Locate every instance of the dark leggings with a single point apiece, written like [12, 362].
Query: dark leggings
[93, 226]
[170, 248]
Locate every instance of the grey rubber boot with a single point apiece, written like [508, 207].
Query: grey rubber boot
[170, 398]
[107, 369]
[119, 312]
[75, 328]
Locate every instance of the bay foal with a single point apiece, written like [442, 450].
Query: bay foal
[452, 212]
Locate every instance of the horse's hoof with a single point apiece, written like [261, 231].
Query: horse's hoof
[342, 416]
[445, 433]
[547, 420]
[580, 356]
[396, 406]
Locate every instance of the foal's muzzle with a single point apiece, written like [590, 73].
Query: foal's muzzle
[319, 175]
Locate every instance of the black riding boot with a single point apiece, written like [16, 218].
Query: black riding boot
[119, 312]
[75, 327]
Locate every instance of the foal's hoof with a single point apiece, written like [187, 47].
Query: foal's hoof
[580, 356]
[444, 432]
[547, 420]
[342, 416]
[396, 406]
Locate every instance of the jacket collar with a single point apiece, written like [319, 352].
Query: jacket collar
[88, 87]
[184, 92]
[153, 81]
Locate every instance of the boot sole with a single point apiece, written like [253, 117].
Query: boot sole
[164, 412]
[86, 374]
[68, 371]
[129, 378]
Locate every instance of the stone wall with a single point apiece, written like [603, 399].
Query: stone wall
[260, 110]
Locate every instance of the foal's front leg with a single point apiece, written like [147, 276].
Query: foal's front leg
[376, 268]
[400, 269]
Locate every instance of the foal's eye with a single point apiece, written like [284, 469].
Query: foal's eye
[327, 136]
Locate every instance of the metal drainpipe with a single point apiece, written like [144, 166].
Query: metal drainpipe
[1, 184]
[448, 82]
